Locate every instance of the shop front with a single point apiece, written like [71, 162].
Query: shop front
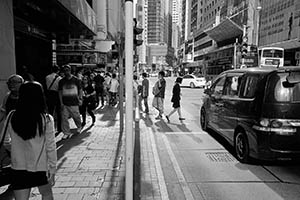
[31, 27]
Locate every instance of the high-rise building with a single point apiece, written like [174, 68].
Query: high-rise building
[279, 26]
[156, 23]
[176, 24]
[155, 17]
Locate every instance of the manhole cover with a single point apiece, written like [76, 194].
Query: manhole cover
[220, 157]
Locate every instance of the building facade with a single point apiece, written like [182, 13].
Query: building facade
[29, 29]
[280, 27]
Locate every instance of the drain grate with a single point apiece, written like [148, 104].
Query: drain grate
[220, 157]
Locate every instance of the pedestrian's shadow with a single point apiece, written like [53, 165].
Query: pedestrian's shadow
[183, 127]
[64, 146]
[107, 113]
[147, 119]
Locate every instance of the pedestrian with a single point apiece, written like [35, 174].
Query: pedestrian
[145, 91]
[10, 100]
[52, 96]
[176, 100]
[159, 94]
[89, 100]
[107, 84]
[99, 87]
[9, 103]
[27, 76]
[137, 92]
[32, 144]
[70, 95]
[113, 90]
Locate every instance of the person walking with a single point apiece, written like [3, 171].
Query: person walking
[99, 87]
[159, 94]
[11, 98]
[52, 96]
[145, 92]
[107, 84]
[32, 144]
[70, 95]
[176, 100]
[89, 100]
[113, 90]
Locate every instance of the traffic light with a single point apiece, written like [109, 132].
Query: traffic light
[114, 51]
[244, 49]
[137, 31]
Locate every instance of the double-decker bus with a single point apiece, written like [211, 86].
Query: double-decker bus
[218, 61]
[271, 56]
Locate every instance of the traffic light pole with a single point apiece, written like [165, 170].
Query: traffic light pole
[129, 99]
[244, 41]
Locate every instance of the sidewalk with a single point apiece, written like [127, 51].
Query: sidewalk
[91, 165]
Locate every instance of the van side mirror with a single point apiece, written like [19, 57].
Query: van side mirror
[207, 91]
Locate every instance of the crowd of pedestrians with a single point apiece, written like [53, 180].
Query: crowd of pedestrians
[34, 113]
[30, 141]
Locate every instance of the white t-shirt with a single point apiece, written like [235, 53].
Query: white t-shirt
[114, 85]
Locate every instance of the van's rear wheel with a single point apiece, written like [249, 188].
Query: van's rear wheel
[241, 146]
[203, 119]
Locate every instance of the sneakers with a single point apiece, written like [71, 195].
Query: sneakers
[167, 117]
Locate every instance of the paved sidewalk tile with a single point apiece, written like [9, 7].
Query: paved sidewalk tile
[91, 165]
[150, 188]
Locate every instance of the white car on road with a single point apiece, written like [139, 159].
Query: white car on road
[190, 80]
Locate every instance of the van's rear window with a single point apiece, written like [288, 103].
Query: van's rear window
[278, 90]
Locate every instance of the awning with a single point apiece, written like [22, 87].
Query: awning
[225, 30]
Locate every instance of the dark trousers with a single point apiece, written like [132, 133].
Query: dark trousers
[84, 108]
[100, 94]
[54, 109]
[145, 99]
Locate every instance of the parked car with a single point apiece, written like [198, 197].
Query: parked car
[190, 80]
[257, 110]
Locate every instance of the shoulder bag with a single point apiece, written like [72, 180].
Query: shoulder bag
[5, 171]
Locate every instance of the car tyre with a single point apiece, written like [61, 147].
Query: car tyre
[241, 146]
[203, 119]
[192, 85]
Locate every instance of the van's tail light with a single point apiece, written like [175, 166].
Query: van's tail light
[276, 124]
[264, 122]
[279, 127]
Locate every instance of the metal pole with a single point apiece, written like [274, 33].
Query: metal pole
[121, 76]
[244, 38]
[129, 98]
[235, 54]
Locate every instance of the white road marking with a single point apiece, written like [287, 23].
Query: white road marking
[186, 190]
[161, 179]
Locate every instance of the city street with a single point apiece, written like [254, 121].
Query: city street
[193, 164]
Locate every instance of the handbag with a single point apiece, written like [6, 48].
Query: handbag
[92, 102]
[5, 171]
[155, 89]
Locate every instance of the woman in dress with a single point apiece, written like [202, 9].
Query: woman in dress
[33, 147]
[176, 100]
